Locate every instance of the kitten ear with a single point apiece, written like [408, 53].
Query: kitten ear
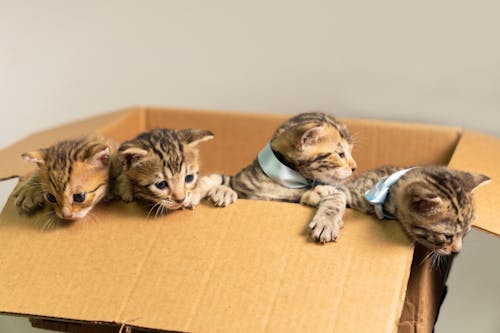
[472, 181]
[131, 156]
[310, 137]
[35, 156]
[98, 156]
[194, 136]
[423, 200]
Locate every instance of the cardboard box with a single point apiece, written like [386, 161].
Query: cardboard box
[249, 267]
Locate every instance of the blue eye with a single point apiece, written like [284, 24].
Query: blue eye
[161, 185]
[79, 197]
[189, 178]
[51, 198]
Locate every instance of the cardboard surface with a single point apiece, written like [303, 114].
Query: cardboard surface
[478, 152]
[248, 267]
[206, 270]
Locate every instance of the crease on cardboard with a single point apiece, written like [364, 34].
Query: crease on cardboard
[206, 281]
[276, 294]
[119, 318]
[342, 280]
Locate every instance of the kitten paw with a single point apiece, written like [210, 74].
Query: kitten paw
[324, 230]
[192, 200]
[313, 197]
[222, 196]
[29, 199]
[310, 198]
[123, 189]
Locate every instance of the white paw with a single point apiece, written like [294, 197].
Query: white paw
[29, 199]
[222, 195]
[324, 230]
[192, 200]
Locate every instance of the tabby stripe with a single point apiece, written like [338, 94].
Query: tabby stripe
[449, 193]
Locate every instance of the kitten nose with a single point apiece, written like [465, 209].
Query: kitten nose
[66, 213]
[456, 246]
[179, 200]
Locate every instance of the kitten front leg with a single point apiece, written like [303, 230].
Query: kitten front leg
[29, 195]
[313, 196]
[214, 187]
[327, 222]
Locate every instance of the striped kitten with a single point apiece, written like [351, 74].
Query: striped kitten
[313, 145]
[72, 177]
[433, 203]
[161, 167]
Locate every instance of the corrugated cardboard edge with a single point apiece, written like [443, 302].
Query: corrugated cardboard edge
[13, 165]
[81, 326]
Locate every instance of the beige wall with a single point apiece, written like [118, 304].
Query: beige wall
[434, 61]
[428, 61]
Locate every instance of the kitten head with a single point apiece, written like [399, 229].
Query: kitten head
[73, 175]
[436, 207]
[162, 165]
[317, 146]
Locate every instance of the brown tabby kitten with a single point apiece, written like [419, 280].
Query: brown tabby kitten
[72, 177]
[315, 145]
[161, 167]
[433, 203]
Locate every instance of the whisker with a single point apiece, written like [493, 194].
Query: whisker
[429, 255]
[155, 205]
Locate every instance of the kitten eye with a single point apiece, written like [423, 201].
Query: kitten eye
[189, 178]
[161, 185]
[51, 198]
[79, 197]
[341, 155]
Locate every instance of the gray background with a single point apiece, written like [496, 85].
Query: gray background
[425, 61]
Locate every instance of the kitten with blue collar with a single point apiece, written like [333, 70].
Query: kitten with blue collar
[434, 204]
[308, 149]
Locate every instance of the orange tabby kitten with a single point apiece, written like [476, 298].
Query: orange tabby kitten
[72, 177]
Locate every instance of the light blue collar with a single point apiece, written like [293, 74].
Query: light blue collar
[279, 172]
[378, 193]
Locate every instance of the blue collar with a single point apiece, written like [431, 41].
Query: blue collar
[378, 193]
[279, 172]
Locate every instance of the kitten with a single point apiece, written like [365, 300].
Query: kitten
[309, 148]
[72, 177]
[433, 203]
[161, 167]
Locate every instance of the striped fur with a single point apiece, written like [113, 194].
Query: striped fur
[72, 177]
[314, 144]
[433, 203]
[162, 166]
[317, 146]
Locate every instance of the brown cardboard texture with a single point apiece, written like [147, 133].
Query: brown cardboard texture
[246, 268]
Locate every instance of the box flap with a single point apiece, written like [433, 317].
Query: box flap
[13, 165]
[479, 152]
[206, 270]
[380, 143]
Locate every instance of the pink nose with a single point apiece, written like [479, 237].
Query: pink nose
[66, 213]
